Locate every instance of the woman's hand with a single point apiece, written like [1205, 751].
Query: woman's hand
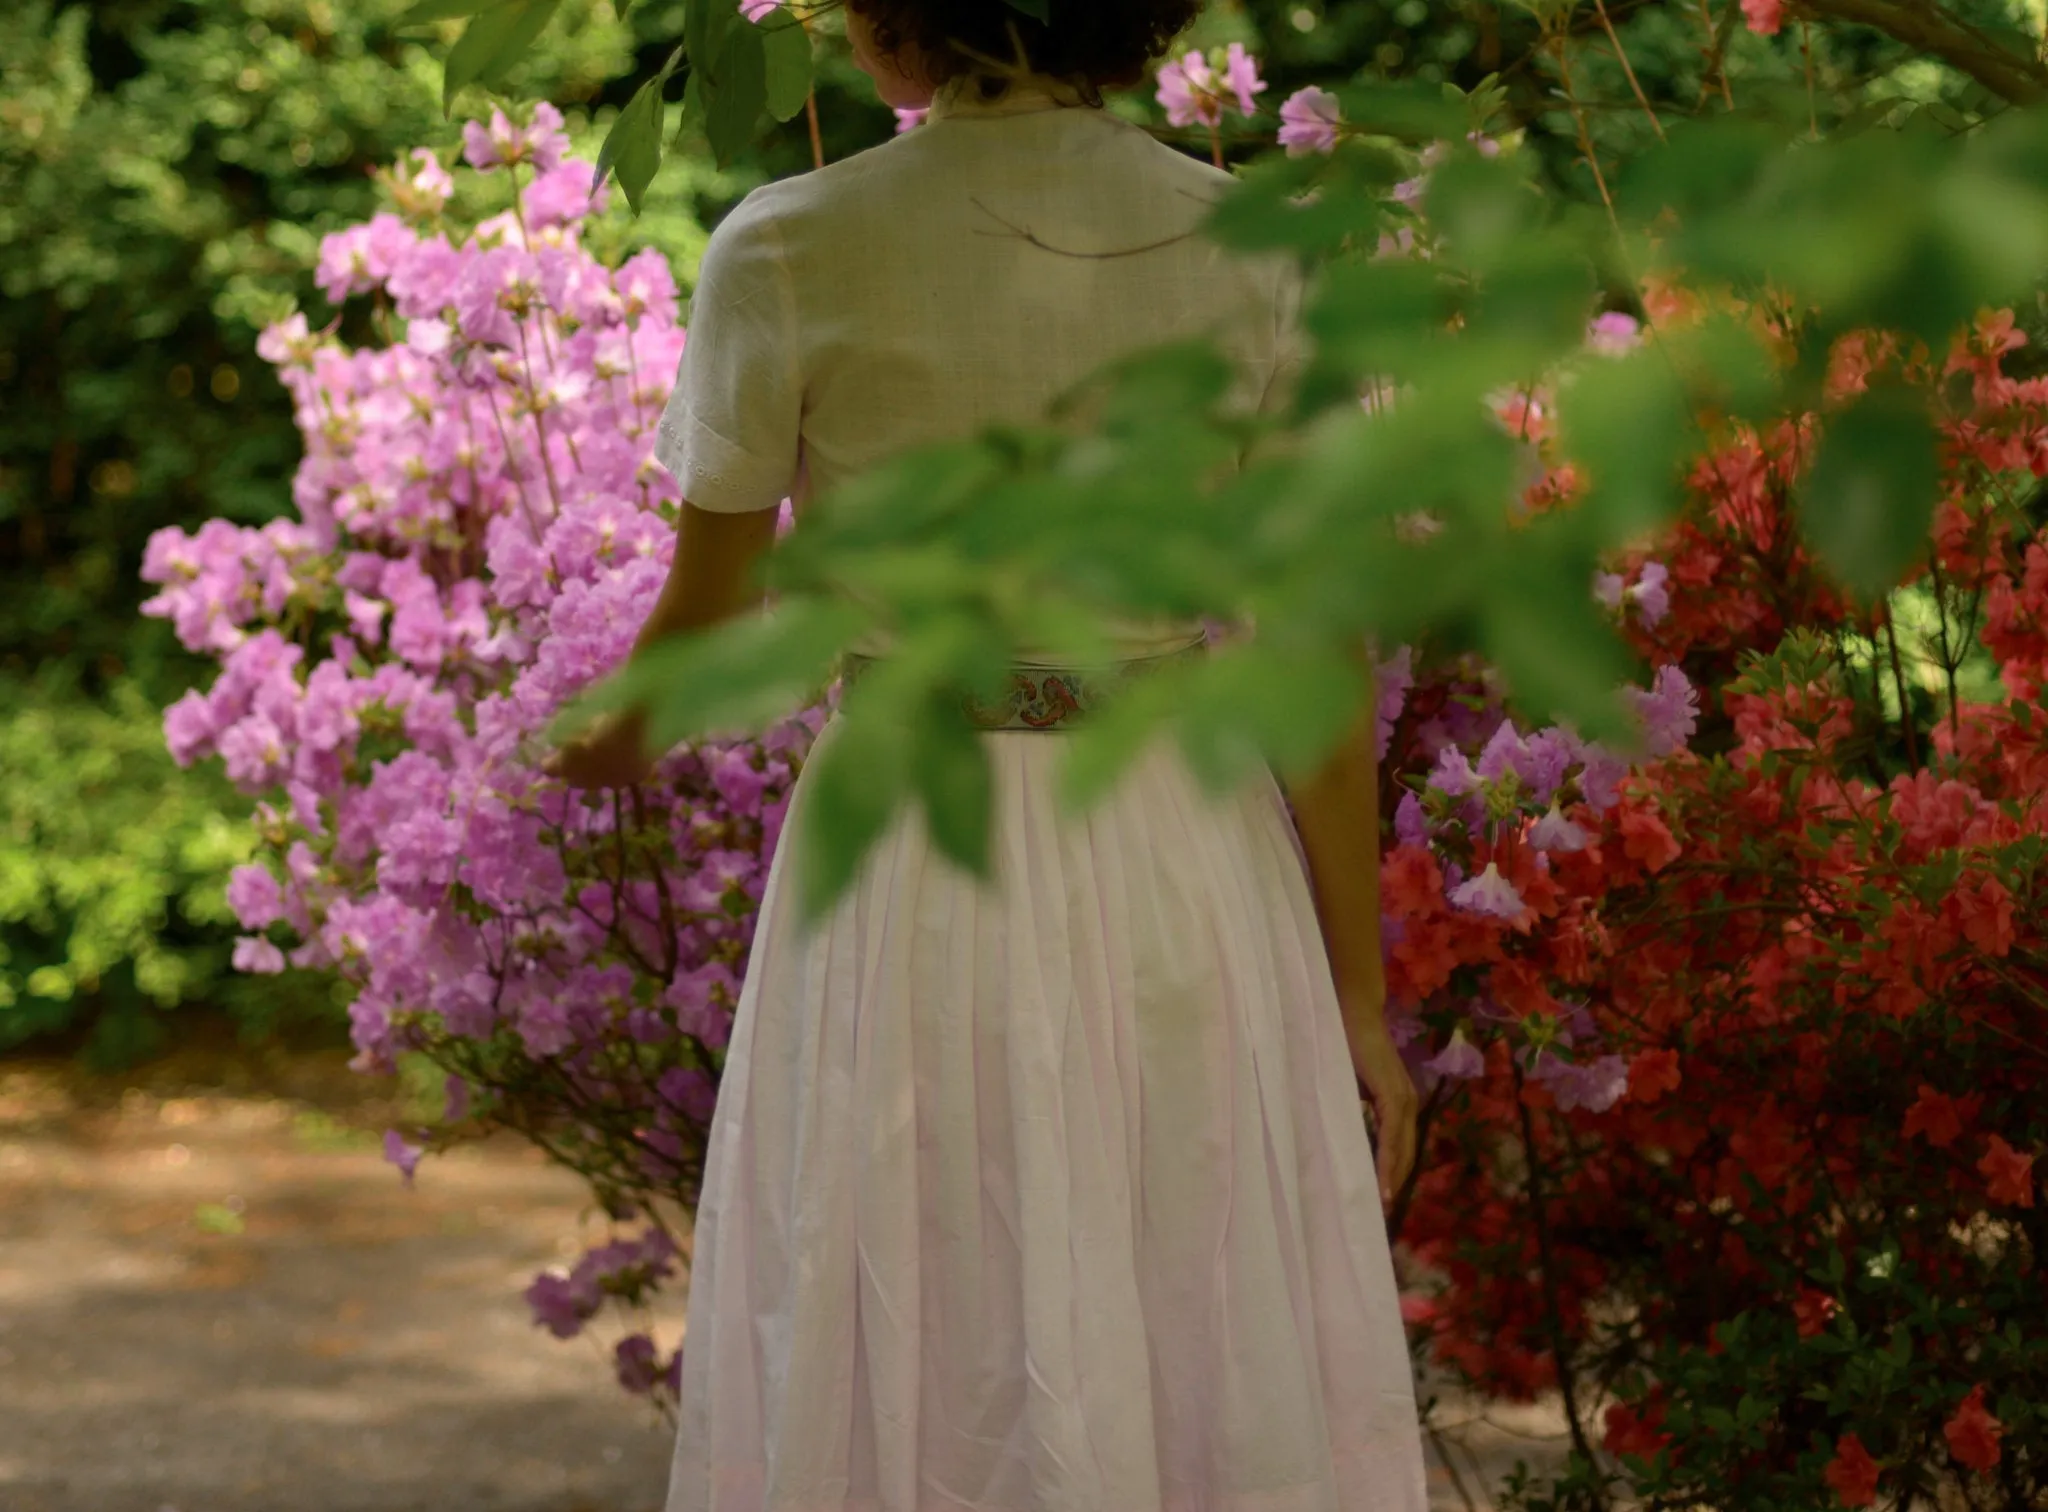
[1385, 1075]
[611, 753]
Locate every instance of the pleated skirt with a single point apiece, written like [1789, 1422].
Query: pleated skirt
[1051, 1193]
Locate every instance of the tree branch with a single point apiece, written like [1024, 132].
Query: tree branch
[1929, 29]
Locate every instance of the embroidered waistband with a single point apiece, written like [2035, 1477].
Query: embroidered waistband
[1045, 698]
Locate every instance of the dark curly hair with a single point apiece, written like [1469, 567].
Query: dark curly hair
[1089, 42]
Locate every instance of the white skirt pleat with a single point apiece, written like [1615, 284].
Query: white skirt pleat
[1048, 1195]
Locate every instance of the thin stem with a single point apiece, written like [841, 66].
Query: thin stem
[1716, 68]
[817, 139]
[1578, 112]
[1553, 1314]
[1891, 635]
[1812, 110]
[1215, 145]
[1621, 54]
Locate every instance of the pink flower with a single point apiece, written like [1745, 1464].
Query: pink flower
[1192, 92]
[1764, 16]
[1241, 77]
[1488, 893]
[255, 897]
[1461, 1060]
[1308, 121]
[907, 118]
[1669, 711]
[1554, 832]
[401, 1154]
[257, 956]
[1613, 331]
[541, 141]
[1187, 88]
[759, 10]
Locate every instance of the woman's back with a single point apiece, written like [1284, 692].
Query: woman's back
[964, 273]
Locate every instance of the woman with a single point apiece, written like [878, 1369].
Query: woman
[1052, 1193]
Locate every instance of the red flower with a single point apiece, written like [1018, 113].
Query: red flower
[1630, 1432]
[1646, 841]
[1852, 1473]
[1812, 1310]
[1972, 1433]
[1984, 912]
[1411, 882]
[2008, 1175]
[1940, 1118]
[1652, 1073]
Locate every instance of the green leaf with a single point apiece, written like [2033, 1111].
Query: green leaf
[1409, 109]
[705, 25]
[1627, 420]
[787, 46]
[633, 145]
[491, 44]
[738, 676]
[1037, 10]
[1266, 701]
[1540, 624]
[428, 11]
[735, 93]
[1868, 502]
[951, 773]
[854, 780]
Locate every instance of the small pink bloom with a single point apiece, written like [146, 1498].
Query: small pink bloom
[1615, 331]
[1308, 121]
[1241, 77]
[1764, 16]
[905, 119]
[1488, 893]
[1187, 88]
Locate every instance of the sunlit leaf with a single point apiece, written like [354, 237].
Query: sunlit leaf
[787, 48]
[632, 148]
[736, 93]
[492, 43]
[428, 11]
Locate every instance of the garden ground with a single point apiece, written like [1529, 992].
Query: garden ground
[215, 1296]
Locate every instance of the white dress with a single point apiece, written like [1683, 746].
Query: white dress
[1052, 1194]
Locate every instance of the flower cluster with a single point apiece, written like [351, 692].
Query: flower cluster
[1793, 979]
[480, 531]
[1194, 91]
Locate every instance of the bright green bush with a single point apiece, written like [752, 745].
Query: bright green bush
[113, 864]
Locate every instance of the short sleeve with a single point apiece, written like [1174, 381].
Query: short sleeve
[730, 431]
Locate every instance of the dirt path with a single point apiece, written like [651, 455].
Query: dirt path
[219, 1298]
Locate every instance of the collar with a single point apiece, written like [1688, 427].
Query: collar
[1027, 95]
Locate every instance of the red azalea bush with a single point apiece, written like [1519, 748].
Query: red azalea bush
[1799, 1261]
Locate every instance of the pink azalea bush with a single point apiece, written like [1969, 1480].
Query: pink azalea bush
[480, 530]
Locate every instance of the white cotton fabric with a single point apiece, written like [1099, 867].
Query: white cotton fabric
[1054, 1193]
[966, 272]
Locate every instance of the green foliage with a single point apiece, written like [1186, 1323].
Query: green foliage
[167, 169]
[113, 865]
[1144, 515]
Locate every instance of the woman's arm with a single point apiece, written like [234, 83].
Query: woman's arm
[710, 579]
[1337, 815]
